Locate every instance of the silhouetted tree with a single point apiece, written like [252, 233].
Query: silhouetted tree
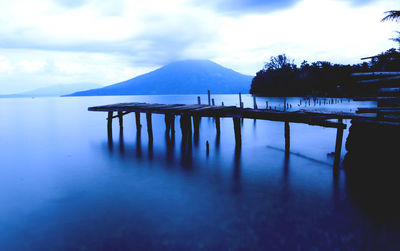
[279, 62]
[392, 15]
[281, 77]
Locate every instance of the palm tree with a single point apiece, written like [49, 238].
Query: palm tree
[392, 15]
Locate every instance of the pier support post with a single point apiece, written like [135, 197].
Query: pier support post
[338, 146]
[109, 125]
[109, 121]
[149, 126]
[198, 100]
[236, 127]
[255, 102]
[183, 127]
[240, 100]
[167, 120]
[138, 125]
[213, 102]
[172, 123]
[218, 125]
[209, 97]
[120, 119]
[284, 104]
[287, 138]
[189, 125]
[196, 125]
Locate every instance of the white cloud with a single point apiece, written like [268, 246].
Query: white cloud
[31, 66]
[5, 65]
[59, 41]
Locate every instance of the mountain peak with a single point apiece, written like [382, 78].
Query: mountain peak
[180, 77]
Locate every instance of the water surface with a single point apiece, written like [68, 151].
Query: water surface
[64, 186]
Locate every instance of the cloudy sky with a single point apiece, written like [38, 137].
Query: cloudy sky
[46, 42]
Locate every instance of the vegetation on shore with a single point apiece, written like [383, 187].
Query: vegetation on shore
[281, 77]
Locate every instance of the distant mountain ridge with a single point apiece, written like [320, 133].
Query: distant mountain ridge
[181, 77]
[53, 91]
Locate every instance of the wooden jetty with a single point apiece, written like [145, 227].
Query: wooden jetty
[189, 113]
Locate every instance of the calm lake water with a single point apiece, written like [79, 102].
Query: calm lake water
[63, 186]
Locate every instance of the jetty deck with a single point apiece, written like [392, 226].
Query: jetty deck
[188, 113]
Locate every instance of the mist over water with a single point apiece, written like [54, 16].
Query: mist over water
[65, 186]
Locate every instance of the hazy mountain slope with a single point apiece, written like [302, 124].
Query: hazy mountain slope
[182, 77]
[54, 90]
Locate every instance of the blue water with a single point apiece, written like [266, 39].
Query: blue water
[64, 186]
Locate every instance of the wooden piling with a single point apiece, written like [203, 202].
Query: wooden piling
[109, 122]
[183, 127]
[120, 119]
[338, 146]
[284, 104]
[167, 120]
[222, 103]
[189, 125]
[149, 126]
[198, 100]
[137, 117]
[172, 123]
[255, 102]
[213, 102]
[236, 127]
[196, 125]
[209, 97]
[240, 100]
[287, 138]
[218, 125]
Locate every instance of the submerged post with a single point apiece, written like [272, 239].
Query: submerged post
[254, 102]
[121, 122]
[109, 122]
[137, 117]
[196, 125]
[198, 100]
[338, 146]
[149, 126]
[172, 124]
[236, 127]
[284, 104]
[213, 102]
[240, 100]
[209, 97]
[167, 120]
[218, 125]
[287, 138]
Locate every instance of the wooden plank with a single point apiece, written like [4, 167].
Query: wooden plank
[377, 109]
[379, 80]
[374, 74]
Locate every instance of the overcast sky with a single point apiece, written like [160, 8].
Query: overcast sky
[45, 42]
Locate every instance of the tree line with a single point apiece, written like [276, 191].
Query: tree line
[281, 77]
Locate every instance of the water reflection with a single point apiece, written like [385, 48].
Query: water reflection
[234, 194]
[237, 170]
[121, 142]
